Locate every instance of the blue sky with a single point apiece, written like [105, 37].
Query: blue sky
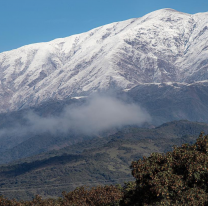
[29, 21]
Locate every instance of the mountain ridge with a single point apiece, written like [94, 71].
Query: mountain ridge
[162, 46]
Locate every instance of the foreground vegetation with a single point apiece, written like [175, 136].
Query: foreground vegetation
[179, 177]
[101, 195]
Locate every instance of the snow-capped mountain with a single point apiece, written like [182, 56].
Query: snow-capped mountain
[162, 46]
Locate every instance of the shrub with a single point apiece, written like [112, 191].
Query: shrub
[97, 196]
[179, 177]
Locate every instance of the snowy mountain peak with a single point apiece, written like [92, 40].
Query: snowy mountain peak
[162, 46]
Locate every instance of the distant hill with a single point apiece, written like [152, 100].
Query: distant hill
[92, 162]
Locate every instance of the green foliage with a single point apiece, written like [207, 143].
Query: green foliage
[99, 196]
[179, 177]
[96, 196]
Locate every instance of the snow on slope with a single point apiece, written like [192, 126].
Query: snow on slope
[163, 46]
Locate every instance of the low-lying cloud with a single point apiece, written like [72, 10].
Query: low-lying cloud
[98, 114]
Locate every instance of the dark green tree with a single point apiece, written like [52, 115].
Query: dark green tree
[179, 177]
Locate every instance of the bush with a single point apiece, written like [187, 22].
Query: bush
[179, 177]
[98, 196]
[82, 196]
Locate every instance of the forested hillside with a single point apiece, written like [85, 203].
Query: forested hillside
[177, 177]
[98, 161]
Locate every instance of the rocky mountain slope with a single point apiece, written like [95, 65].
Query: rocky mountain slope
[162, 46]
[173, 101]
